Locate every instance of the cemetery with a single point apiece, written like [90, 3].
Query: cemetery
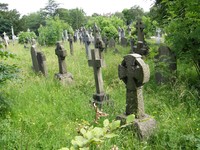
[102, 84]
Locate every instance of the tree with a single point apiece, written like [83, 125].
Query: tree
[182, 25]
[50, 9]
[132, 14]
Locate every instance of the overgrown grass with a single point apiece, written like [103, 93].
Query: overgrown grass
[40, 113]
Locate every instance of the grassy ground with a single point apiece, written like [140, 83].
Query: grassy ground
[40, 113]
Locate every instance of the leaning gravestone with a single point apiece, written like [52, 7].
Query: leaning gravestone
[42, 63]
[96, 62]
[38, 61]
[87, 41]
[64, 76]
[165, 65]
[135, 73]
[35, 66]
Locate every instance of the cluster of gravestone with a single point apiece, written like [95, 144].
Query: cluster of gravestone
[133, 71]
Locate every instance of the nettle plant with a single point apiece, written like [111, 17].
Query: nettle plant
[90, 136]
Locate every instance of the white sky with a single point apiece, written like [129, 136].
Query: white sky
[89, 6]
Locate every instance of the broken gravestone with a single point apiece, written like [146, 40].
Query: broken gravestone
[135, 73]
[38, 61]
[96, 62]
[165, 65]
[64, 76]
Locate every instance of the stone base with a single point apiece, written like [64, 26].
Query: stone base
[144, 126]
[64, 78]
[101, 99]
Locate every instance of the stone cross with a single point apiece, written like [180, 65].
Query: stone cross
[129, 30]
[87, 41]
[119, 33]
[140, 27]
[63, 75]
[61, 53]
[96, 63]
[71, 45]
[96, 31]
[135, 73]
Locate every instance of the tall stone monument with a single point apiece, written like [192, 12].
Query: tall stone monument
[135, 73]
[96, 62]
[63, 75]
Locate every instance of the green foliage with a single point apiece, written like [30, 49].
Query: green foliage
[132, 14]
[185, 16]
[25, 37]
[94, 136]
[6, 71]
[52, 31]
[107, 25]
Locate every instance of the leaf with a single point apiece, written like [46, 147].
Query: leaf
[105, 122]
[88, 135]
[130, 118]
[79, 141]
[110, 135]
[82, 131]
[97, 132]
[114, 125]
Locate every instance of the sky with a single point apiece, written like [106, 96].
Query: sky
[25, 7]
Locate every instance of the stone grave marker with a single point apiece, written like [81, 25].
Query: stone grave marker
[158, 38]
[96, 62]
[97, 34]
[123, 38]
[64, 76]
[105, 40]
[35, 66]
[101, 47]
[87, 41]
[129, 30]
[111, 42]
[165, 65]
[70, 39]
[119, 33]
[140, 27]
[42, 63]
[135, 73]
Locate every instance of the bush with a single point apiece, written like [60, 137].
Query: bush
[25, 37]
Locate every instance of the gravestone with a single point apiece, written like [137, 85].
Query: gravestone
[97, 34]
[87, 41]
[119, 33]
[111, 42]
[6, 40]
[140, 27]
[158, 38]
[132, 44]
[42, 63]
[35, 66]
[71, 44]
[135, 73]
[96, 62]
[165, 65]
[129, 30]
[101, 47]
[105, 40]
[64, 76]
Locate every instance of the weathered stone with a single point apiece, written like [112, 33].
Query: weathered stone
[63, 75]
[111, 42]
[71, 45]
[135, 73]
[42, 63]
[123, 41]
[34, 59]
[96, 62]
[165, 65]
[87, 41]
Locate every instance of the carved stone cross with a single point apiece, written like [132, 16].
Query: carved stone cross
[96, 63]
[61, 53]
[134, 73]
[96, 31]
[87, 41]
[140, 27]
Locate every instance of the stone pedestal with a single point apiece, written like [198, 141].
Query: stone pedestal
[64, 78]
[144, 127]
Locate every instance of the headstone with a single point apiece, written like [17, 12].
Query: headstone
[96, 62]
[165, 65]
[132, 43]
[105, 40]
[42, 63]
[111, 42]
[119, 33]
[35, 66]
[96, 31]
[71, 45]
[6, 40]
[158, 38]
[63, 75]
[87, 41]
[140, 27]
[135, 73]
[13, 35]
[101, 47]
[38, 61]
[129, 30]
[124, 41]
